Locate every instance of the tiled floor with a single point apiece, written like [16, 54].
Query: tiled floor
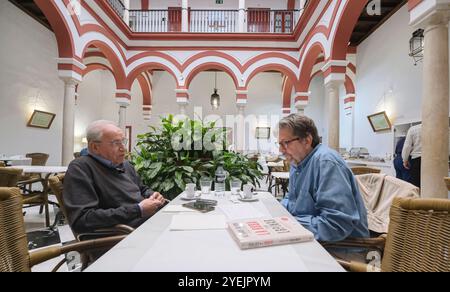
[34, 223]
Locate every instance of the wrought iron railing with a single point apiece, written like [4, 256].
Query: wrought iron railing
[118, 7]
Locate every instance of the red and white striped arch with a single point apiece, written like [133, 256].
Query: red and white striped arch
[324, 31]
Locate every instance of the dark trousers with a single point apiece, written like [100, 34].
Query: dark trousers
[415, 171]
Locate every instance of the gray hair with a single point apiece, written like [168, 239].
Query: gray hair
[94, 131]
[301, 127]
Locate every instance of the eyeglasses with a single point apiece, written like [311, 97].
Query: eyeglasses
[285, 144]
[117, 143]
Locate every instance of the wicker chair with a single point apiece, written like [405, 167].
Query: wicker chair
[38, 159]
[364, 170]
[418, 239]
[56, 185]
[2, 164]
[9, 178]
[447, 182]
[25, 180]
[14, 254]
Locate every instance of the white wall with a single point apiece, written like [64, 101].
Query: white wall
[96, 101]
[386, 80]
[28, 80]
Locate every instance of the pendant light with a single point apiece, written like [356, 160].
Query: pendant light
[215, 97]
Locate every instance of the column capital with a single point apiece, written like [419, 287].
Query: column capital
[301, 105]
[333, 81]
[70, 68]
[182, 101]
[429, 13]
[70, 81]
[123, 102]
[182, 95]
[241, 103]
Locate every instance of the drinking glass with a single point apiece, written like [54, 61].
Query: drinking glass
[236, 186]
[205, 185]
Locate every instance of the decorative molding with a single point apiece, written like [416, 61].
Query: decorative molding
[70, 61]
[123, 101]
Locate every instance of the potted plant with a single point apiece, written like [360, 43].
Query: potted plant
[182, 152]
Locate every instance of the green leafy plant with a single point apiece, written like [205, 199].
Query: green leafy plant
[182, 152]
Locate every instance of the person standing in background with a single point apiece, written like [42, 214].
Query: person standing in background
[400, 170]
[413, 148]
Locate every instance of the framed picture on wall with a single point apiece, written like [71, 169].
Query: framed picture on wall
[128, 135]
[380, 122]
[263, 133]
[40, 119]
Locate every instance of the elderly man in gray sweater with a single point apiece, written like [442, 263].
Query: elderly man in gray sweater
[102, 189]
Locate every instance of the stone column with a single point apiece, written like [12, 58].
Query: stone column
[241, 103]
[332, 89]
[301, 102]
[242, 15]
[349, 108]
[126, 13]
[123, 103]
[182, 100]
[68, 120]
[435, 104]
[185, 16]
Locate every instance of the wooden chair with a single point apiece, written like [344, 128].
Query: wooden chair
[14, 254]
[364, 170]
[418, 239]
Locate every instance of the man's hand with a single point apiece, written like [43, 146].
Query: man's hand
[158, 197]
[150, 206]
[406, 164]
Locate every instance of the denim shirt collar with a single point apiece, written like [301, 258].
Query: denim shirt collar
[305, 161]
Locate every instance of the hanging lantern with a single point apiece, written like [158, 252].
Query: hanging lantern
[416, 45]
[215, 97]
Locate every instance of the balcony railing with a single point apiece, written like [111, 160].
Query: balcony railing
[118, 7]
[153, 21]
[214, 21]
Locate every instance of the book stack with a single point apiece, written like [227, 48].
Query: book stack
[254, 233]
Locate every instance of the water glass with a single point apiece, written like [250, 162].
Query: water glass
[219, 188]
[205, 185]
[235, 186]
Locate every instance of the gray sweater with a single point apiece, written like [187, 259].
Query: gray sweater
[99, 196]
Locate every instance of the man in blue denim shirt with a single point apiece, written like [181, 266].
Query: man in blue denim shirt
[323, 194]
